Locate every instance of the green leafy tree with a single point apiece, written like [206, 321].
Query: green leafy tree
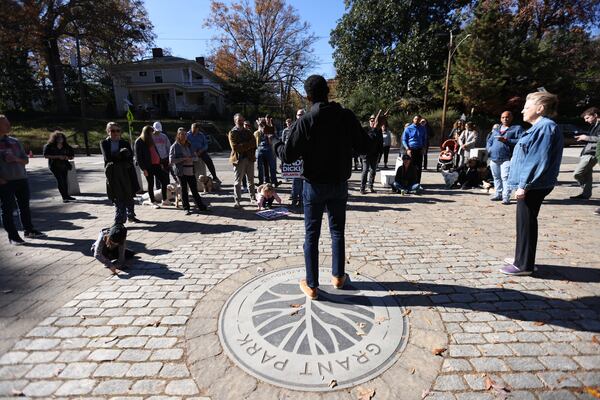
[393, 47]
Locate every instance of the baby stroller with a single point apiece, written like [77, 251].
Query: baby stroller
[448, 155]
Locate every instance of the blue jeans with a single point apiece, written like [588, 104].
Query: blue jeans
[297, 187]
[124, 209]
[265, 156]
[500, 171]
[318, 196]
[416, 188]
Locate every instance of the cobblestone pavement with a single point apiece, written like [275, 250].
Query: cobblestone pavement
[76, 332]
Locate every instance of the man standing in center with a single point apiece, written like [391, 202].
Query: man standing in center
[326, 126]
[414, 140]
[199, 143]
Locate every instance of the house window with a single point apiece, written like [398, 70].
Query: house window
[158, 77]
[143, 73]
[196, 76]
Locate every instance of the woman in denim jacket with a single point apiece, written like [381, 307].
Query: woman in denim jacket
[534, 170]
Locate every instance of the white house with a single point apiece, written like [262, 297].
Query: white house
[168, 86]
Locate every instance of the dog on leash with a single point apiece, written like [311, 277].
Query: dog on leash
[207, 184]
[173, 195]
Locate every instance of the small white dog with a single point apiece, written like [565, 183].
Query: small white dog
[450, 178]
[205, 184]
[173, 195]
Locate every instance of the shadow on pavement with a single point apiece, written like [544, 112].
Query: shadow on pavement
[566, 273]
[83, 245]
[578, 314]
[148, 268]
[189, 226]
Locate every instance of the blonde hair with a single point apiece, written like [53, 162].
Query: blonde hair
[146, 135]
[110, 126]
[546, 99]
[179, 131]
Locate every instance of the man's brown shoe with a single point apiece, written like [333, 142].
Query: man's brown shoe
[311, 293]
[338, 283]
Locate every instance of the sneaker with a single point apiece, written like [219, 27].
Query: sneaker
[188, 212]
[338, 282]
[506, 202]
[166, 203]
[202, 207]
[597, 211]
[66, 201]
[217, 180]
[155, 205]
[403, 192]
[510, 269]
[253, 202]
[71, 198]
[511, 261]
[32, 234]
[16, 241]
[133, 219]
[372, 190]
[237, 205]
[496, 198]
[311, 293]
[363, 191]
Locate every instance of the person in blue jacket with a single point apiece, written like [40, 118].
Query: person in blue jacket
[534, 171]
[414, 140]
[500, 145]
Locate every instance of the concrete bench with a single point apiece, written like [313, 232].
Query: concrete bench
[387, 178]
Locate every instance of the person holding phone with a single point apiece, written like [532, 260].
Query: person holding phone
[587, 159]
[499, 146]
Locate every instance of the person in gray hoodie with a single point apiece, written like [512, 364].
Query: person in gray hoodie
[587, 159]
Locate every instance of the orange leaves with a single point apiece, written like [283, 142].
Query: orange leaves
[438, 351]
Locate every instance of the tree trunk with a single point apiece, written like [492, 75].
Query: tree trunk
[57, 75]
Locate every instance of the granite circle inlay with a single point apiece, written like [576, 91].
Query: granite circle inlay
[270, 330]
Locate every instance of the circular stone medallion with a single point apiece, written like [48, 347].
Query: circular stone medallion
[273, 332]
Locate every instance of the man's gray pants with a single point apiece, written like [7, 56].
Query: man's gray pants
[243, 167]
[583, 173]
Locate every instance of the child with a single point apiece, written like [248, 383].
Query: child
[266, 195]
[110, 247]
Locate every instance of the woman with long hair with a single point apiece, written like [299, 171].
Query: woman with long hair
[148, 159]
[58, 152]
[181, 158]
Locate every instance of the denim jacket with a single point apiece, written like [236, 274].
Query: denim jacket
[499, 151]
[536, 159]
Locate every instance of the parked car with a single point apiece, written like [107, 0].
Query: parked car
[569, 133]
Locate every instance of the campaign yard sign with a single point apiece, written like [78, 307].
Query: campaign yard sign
[294, 170]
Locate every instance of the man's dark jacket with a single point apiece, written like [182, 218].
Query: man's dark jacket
[590, 146]
[375, 145]
[325, 139]
[121, 179]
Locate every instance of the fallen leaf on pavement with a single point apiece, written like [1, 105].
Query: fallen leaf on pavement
[260, 269]
[592, 392]
[406, 312]
[17, 393]
[361, 325]
[295, 305]
[595, 339]
[511, 281]
[425, 393]
[332, 383]
[112, 340]
[539, 323]
[489, 383]
[438, 351]
[365, 393]
[412, 371]
[379, 320]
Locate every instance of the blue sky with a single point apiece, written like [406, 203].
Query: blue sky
[178, 25]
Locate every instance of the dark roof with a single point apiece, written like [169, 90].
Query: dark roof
[158, 60]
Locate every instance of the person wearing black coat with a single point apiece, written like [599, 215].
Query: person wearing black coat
[369, 160]
[121, 180]
[148, 160]
[58, 152]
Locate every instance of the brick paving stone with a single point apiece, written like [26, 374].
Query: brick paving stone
[132, 342]
[495, 350]
[148, 386]
[41, 388]
[113, 386]
[42, 371]
[39, 357]
[558, 363]
[488, 364]
[528, 349]
[182, 387]
[557, 380]
[104, 355]
[449, 383]
[144, 369]
[14, 371]
[474, 396]
[463, 350]
[557, 395]
[166, 354]
[73, 355]
[522, 381]
[588, 362]
[455, 365]
[13, 357]
[112, 370]
[76, 387]
[78, 370]
[174, 371]
[524, 364]
[160, 343]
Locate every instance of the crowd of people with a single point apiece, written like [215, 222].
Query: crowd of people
[523, 164]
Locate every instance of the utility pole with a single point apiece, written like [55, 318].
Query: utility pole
[450, 54]
[82, 98]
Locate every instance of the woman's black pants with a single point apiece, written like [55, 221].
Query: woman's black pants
[157, 171]
[527, 228]
[62, 181]
[189, 181]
